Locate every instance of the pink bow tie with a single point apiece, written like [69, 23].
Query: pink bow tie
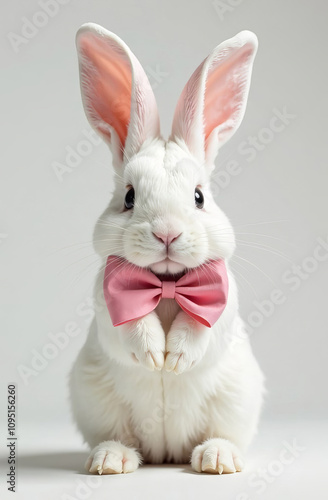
[132, 292]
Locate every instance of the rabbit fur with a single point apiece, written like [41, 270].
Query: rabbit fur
[165, 388]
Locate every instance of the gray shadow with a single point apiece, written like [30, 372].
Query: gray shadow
[73, 461]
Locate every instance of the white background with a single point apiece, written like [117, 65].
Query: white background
[277, 202]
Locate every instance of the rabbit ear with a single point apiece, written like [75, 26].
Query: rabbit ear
[213, 102]
[117, 96]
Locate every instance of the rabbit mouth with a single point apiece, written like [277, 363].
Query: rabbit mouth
[167, 268]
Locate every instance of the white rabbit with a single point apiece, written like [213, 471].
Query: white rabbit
[165, 387]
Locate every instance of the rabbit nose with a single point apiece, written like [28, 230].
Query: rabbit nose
[167, 239]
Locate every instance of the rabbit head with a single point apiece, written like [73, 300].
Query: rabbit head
[162, 214]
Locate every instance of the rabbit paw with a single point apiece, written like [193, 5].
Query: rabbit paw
[216, 456]
[112, 457]
[186, 344]
[144, 339]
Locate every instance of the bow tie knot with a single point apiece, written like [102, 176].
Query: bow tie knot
[132, 292]
[168, 289]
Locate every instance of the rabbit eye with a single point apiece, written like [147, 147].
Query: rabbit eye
[199, 198]
[129, 199]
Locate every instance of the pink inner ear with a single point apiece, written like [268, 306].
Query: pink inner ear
[225, 87]
[107, 84]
